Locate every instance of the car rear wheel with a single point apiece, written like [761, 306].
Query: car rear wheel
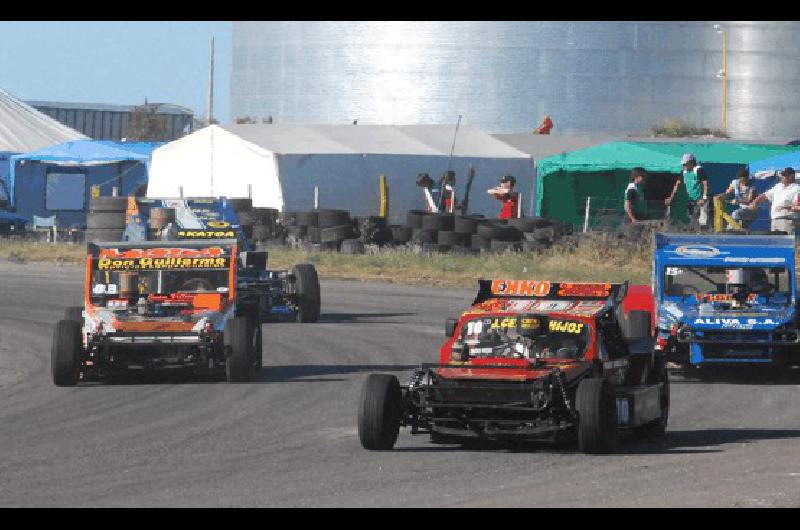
[308, 292]
[597, 416]
[379, 412]
[238, 342]
[65, 353]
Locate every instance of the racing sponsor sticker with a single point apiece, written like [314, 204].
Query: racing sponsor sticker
[566, 326]
[162, 258]
[698, 251]
[520, 287]
[207, 234]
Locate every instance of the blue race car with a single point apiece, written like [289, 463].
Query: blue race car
[726, 299]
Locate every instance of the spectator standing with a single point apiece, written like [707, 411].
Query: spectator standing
[783, 197]
[635, 205]
[689, 197]
[505, 193]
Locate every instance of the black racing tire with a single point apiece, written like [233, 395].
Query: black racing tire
[533, 246]
[333, 218]
[481, 243]
[502, 246]
[597, 416]
[380, 411]
[542, 234]
[105, 220]
[657, 428]
[74, 314]
[523, 224]
[434, 248]
[414, 218]
[464, 251]
[241, 205]
[65, 353]
[352, 246]
[335, 233]
[103, 235]
[439, 221]
[508, 233]
[488, 230]
[108, 204]
[308, 292]
[466, 224]
[400, 233]
[445, 237]
[238, 340]
[636, 325]
[424, 236]
[308, 219]
[265, 216]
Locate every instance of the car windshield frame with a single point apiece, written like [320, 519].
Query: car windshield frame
[705, 275]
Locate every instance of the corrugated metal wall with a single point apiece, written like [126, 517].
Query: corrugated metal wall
[505, 76]
[110, 125]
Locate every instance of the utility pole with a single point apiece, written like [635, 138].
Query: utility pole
[211, 85]
[723, 74]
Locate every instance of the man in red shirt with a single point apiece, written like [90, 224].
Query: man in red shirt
[546, 126]
[505, 193]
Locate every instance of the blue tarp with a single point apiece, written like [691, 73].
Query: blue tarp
[776, 163]
[92, 162]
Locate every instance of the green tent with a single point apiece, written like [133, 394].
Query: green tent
[602, 172]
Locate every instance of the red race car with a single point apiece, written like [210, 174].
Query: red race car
[530, 360]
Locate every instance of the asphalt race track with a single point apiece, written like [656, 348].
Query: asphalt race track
[290, 439]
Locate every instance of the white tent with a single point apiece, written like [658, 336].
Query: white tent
[24, 129]
[213, 162]
[284, 163]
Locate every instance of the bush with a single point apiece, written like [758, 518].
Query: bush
[678, 128]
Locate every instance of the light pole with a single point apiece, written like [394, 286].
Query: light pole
[723, 74]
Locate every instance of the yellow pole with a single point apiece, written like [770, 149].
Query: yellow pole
[384, 205]
[724, 81]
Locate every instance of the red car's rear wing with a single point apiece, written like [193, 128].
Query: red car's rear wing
[544, 290]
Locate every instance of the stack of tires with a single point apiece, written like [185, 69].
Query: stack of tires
[319, 229]
[105, 220]
[260, 225]
[470, 234]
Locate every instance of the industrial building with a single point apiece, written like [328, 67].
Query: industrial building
[616, 77]
[109, 122]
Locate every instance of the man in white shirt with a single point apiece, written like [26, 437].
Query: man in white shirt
[784, 199]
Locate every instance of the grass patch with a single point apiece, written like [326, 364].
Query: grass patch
[25, 251]
[586, 261]
[599, 258]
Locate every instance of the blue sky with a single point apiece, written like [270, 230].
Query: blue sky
[117, 62]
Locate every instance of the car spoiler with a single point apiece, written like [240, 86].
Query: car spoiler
[544, 290]
[726, 240]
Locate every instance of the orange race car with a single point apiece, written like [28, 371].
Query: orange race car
[529, 360]
[196, 306]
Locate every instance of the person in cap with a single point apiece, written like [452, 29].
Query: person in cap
[505, 193]
[783, 197]
[689, 197]
[740, 194]
[635, 206]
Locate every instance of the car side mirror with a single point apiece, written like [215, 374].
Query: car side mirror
[450, 327]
